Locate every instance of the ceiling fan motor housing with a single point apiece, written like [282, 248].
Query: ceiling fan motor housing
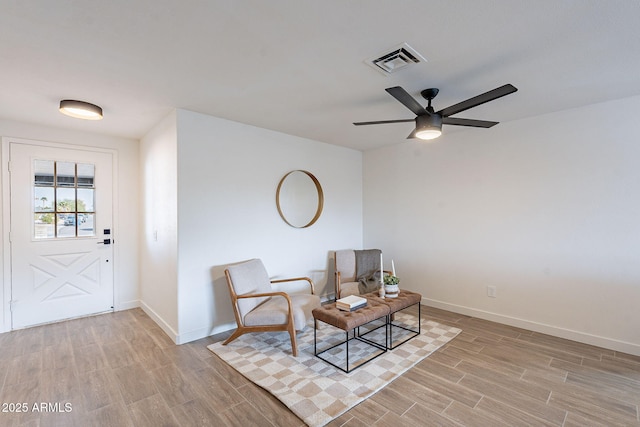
[429, 121]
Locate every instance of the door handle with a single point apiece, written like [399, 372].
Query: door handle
[105, 242]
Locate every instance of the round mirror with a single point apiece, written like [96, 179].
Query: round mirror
[299, 199]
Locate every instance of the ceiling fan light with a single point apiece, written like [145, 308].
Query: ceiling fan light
[80, 110]
[428, 127]
[427, 134]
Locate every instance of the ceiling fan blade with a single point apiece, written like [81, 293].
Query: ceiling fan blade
[380, 122]
[407, 100]
[478, 100]
[468, 122]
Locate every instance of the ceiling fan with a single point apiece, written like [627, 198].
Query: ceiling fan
[429, 122]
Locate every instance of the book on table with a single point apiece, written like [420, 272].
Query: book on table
[354, 308]
[351, 303]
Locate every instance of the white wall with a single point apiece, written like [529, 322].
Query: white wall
[126, 207]
[544, 209]
[227, 178]
[159, 229]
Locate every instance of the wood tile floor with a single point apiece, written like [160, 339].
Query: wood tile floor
[120, 369]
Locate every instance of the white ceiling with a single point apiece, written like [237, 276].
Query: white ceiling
[297, 66]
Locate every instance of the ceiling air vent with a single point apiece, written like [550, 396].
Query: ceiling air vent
[398, 58]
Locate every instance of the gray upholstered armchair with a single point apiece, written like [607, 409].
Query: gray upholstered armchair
[346, 283]
[346, 271]
[259, 308]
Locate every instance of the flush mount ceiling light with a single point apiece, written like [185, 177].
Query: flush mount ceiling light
[80, 110]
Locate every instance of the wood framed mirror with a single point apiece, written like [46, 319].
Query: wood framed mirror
[299, 199]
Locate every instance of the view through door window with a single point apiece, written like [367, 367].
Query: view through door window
[64, 199]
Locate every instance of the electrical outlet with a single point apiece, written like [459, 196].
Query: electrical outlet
[492, 291]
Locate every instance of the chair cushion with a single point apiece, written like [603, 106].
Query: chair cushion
[249, 277]
[274, 311]
[349, 288]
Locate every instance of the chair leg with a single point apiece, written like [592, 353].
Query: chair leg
[233, 336]
[294, 345]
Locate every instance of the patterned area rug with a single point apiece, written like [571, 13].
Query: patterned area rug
[313, 389]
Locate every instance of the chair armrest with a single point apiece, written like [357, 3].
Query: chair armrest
[297, 279]
[264, 294]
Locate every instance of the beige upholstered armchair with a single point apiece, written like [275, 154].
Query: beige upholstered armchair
[346, 272]
[258, 308]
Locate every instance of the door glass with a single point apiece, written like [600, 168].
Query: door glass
[63, 207]
[44, 225]
[85, 224]
[86, 173]
[65, 199]
[65, 174]
[44, 198]
[85, 200]
[43, 172]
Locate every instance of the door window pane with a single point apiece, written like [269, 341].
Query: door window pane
[64, 207]
[86, 174]
[43, 200]
[65, 174]
[44, 226]
[85, 200]
[43, 171]
[67, 225]
[63, 230]
[85, 225]
[65, 199]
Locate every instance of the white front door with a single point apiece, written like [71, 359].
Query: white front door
[61, 234]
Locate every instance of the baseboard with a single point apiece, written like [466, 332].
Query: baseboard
[609, 343]
[160, 322]
[185, 337]
[127, 305]
[182, 338]
[203, 333]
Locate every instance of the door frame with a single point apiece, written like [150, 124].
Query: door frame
[5, 227]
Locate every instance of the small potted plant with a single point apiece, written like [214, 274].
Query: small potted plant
[391, 288]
